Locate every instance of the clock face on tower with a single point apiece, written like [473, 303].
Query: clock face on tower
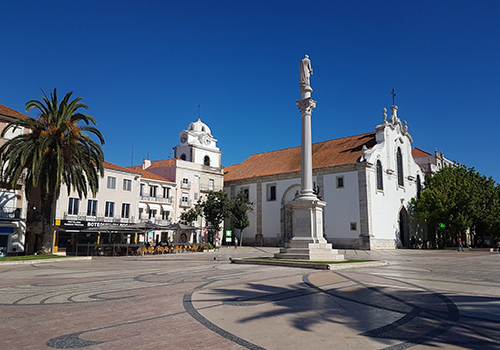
[184, 138]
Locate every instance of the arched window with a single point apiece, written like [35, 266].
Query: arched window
[419, 186]
[183, 156]
[380, 178]
[206, 160]
[399, 159]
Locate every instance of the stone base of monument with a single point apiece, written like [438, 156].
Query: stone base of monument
[308, 242]
[309, 251]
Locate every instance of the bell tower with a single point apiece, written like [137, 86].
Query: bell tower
[197, 145]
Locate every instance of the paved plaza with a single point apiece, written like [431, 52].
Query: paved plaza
[423, 299]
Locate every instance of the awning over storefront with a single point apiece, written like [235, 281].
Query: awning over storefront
[166, 207]
[154, 206]
[143, 205]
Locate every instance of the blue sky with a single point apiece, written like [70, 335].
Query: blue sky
[143, 67]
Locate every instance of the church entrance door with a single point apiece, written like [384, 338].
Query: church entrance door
[404, 227]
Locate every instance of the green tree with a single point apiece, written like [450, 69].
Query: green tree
[191, 214]
[241, 206]
[215, 208]
[460, 198]
[59, 150]
[486, 206]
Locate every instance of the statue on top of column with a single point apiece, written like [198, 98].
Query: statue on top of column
[305, 71]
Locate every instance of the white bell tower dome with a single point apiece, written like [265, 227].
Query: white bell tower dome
[197, 145]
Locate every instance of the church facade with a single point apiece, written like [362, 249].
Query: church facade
[367, 181]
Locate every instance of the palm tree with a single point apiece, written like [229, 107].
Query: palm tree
[59, 150]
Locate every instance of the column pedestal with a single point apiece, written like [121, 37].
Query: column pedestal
[308, 242]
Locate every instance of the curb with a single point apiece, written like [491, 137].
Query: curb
[358, 265]
[304, 265]
[42, 261]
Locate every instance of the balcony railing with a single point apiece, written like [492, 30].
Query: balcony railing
[186, 184]
[156, 199]
[158, 221]
[98, 217]
[185, 204]
[212, 169]
[208, 188]
[10, 213]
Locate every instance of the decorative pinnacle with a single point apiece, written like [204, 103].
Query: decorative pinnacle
[384, 114]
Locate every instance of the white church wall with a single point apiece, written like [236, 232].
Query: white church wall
[386, 204]
[342, 209]
[271, 209]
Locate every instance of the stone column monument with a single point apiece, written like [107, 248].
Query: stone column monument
[308, 242]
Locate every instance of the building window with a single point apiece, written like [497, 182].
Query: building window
[125, 210]
[91, 207]
[166, 192]
[195, 196]
[211, 184]
[246, 192]
[399, 159]
[271, 192]
[185, 198]
[141, 191]
[340, 182]
[111, 183]
[206, 161]
[196, 179]
[127, 185]
[165, 215]
[354, 226]
[152, 191]
[109, 211]
[380, 178]
[73, 206]
[152, 213]
[185, 181]
[183, 156]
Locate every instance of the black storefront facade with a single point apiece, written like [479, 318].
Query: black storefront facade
[80, 237]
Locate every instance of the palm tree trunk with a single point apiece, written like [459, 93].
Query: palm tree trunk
[48, 211]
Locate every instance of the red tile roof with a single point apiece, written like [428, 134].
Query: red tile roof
[147, 174]
[336, 152]
[117, 167]
[417, 153]
[162, 163]
[9, 112]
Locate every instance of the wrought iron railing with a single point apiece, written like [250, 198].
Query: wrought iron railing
[156, 199]
[10, 213]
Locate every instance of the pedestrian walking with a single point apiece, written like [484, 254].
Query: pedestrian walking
[235, 242]
[460, 246]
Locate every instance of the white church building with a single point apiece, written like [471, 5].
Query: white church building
[367, 181]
